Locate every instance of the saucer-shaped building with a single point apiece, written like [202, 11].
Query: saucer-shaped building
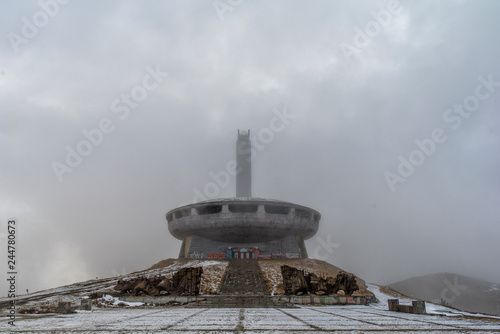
[243, 226]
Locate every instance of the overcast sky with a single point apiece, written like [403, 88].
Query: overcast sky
[382, 116]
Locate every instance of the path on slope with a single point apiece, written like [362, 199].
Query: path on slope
[243, 277]
[242, 286]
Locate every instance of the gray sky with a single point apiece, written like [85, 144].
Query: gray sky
[363, 88]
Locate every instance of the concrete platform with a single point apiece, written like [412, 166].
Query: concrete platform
[341, 319]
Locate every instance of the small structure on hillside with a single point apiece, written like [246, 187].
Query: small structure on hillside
[417, 307]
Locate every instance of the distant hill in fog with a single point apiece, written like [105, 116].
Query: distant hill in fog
[462, 292]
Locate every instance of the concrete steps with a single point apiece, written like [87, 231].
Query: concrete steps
[243, 277]
[242, 286]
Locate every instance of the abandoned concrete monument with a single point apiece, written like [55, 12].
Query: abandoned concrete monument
[259, 245]
[243, 226]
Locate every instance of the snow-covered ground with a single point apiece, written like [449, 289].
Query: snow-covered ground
[47, 299]
[431, 308]
[342, 319]
[259, 320]
[115, 316]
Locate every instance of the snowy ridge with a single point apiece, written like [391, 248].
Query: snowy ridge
[430, 307]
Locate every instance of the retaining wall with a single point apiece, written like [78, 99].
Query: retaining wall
[300, 300]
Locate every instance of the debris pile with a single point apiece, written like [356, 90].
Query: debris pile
[299, 282]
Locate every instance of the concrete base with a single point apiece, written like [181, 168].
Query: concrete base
[255, 301]
[64, 308]
[86, 304]
[163, 300]
[328, 300]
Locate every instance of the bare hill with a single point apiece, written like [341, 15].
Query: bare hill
[462, 292]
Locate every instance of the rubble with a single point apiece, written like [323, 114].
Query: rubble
[186, 282]
[298, 282]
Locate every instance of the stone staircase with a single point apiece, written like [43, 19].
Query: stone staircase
[243, 277]
[242, 286]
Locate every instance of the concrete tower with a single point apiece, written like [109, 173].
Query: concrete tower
[244, 164]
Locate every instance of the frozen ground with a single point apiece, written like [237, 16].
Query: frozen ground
[210, 280]
[362, 319]
[341, 319]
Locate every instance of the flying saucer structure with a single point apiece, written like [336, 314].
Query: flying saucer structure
[243, 226]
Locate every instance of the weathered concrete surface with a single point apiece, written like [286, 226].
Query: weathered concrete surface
[325, 319]
[327, 300]
[64, 308]
[243, 277]
[86, 305]
[163, 300]
[244, 165]
[243, 220]
[253, 301]
[417, 307]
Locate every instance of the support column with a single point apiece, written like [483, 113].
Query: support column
[302, 247]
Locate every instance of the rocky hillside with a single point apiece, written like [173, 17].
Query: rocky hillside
[271, 270]
[211, 278]
[213, 271]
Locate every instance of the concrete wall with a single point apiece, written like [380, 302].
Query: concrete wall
[162, 300]
[327, 300]
[416, 307]
[300, 300]
[287, 247]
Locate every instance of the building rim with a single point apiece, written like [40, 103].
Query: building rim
[240, 200]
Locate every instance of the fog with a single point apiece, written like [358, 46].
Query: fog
[381, 115]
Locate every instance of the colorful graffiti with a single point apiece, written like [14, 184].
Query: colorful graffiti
[216, 255]
[260, 256]
[243, 253]
[197, 255]
[277, 255]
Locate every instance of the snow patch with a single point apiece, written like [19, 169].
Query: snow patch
[115, 301]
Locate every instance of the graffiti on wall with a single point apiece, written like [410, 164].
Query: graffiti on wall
[216, 255]
[244, 253]
[197, 255]
[277, 255]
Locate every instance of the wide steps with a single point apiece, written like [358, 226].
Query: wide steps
[242, 286]
[243, 277]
